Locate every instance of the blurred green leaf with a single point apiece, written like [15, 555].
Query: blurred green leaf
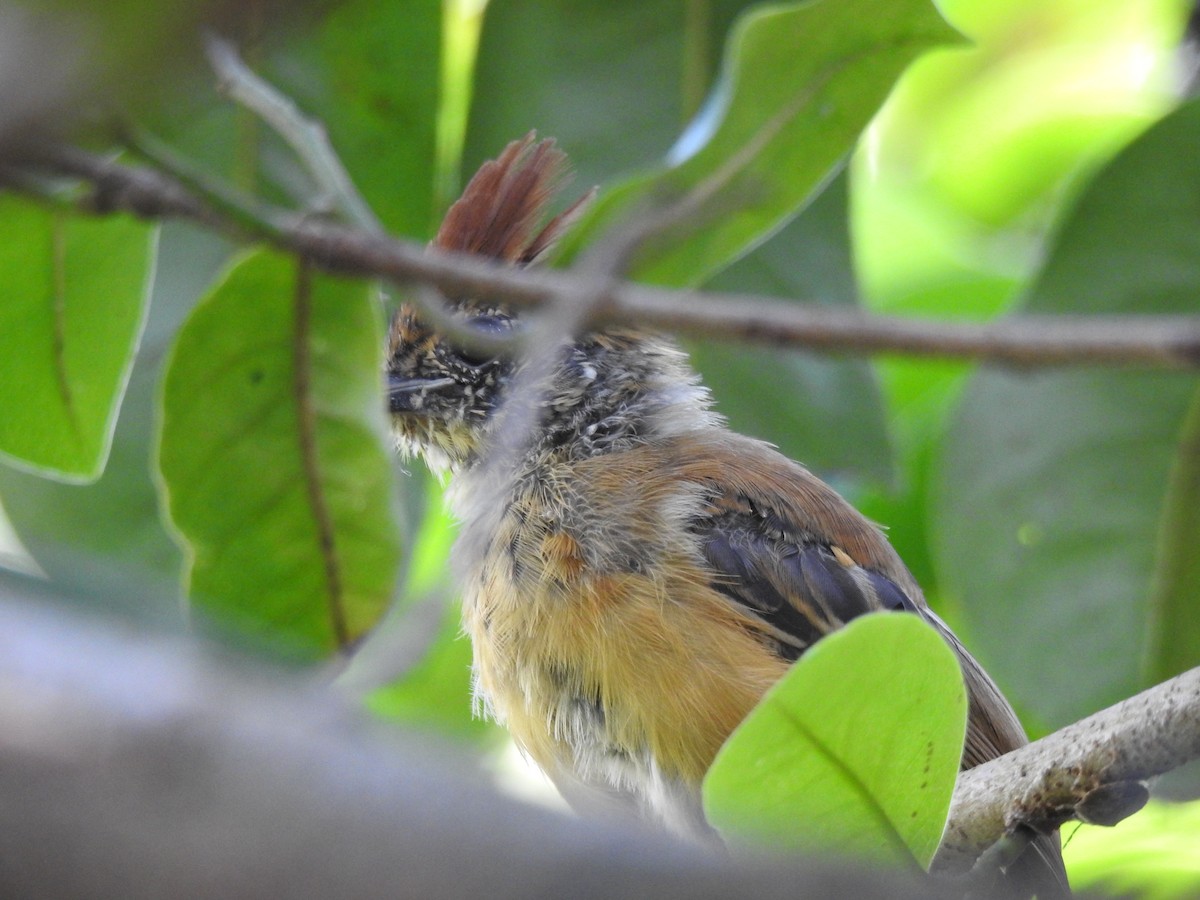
[799, 83]
[821, 410]
[415, 668]
[73, 312]
[569, 69]
[274, 461]
[436, 692]
[975, 154]
[866, 770]
[1151, 855]
[999, 129]
[106, 540]
[1174, 644]
[1050, 501]
[370, 74]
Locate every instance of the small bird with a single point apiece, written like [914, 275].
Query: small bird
[638, 575]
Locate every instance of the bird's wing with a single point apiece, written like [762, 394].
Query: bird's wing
[788, 549]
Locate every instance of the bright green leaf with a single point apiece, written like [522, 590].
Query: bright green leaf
[106, 540]
[73, 311]
[1055, 491]
[799, 83]
[273, 455]
[855, 751]
[1151, 855]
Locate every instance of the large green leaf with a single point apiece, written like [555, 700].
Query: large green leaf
[73, 310]
[799, 83]
[274, 460]
[569, 70]
[1064, 502]
[821, 410]
[106, 540]
[855, 751]
[370, 74]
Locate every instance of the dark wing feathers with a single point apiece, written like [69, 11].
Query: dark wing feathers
[800, 589]
[801, 584]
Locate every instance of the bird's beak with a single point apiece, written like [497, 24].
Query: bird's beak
[408, 394]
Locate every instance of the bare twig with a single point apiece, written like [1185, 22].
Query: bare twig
[307, 138]
[1097, 762]
[239, 209]
[1166, 342]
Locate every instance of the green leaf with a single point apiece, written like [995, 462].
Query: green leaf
[73, 310]
[106, 540]
[1149, 855]
[273, 455]
[569, 69]
[370, 74]
[855, 751]
[1174, 639]
[822, 410]
[119, 50]
[799, 83]
[415, 668]
[1064, 501]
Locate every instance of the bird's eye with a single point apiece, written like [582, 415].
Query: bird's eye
[487, 327]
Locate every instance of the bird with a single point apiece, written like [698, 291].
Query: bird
[636, 575]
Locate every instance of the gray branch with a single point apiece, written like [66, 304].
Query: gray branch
[1171, 342]
[135, 765]
[1091, 771]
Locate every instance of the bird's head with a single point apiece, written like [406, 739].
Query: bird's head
[443, 394]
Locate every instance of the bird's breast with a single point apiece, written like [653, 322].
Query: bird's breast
[598, 638]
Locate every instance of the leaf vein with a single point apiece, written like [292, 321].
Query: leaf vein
[307, 433]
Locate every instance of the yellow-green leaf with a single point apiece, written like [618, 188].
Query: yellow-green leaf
[73, 307]
[854, 752]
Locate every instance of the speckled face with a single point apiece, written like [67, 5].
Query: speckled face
[440, 396]
[443, 397]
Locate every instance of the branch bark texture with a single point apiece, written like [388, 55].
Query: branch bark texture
[1090, 770]
[1170, 342]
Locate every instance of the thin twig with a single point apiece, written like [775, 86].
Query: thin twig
[241, 211]
[1027, 341]
[274, 224]
[307, 137]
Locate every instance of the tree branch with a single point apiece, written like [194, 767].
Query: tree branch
[168, 771]
[135, 765]
[1089, 771]
[1170, 342]
[307, 138]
